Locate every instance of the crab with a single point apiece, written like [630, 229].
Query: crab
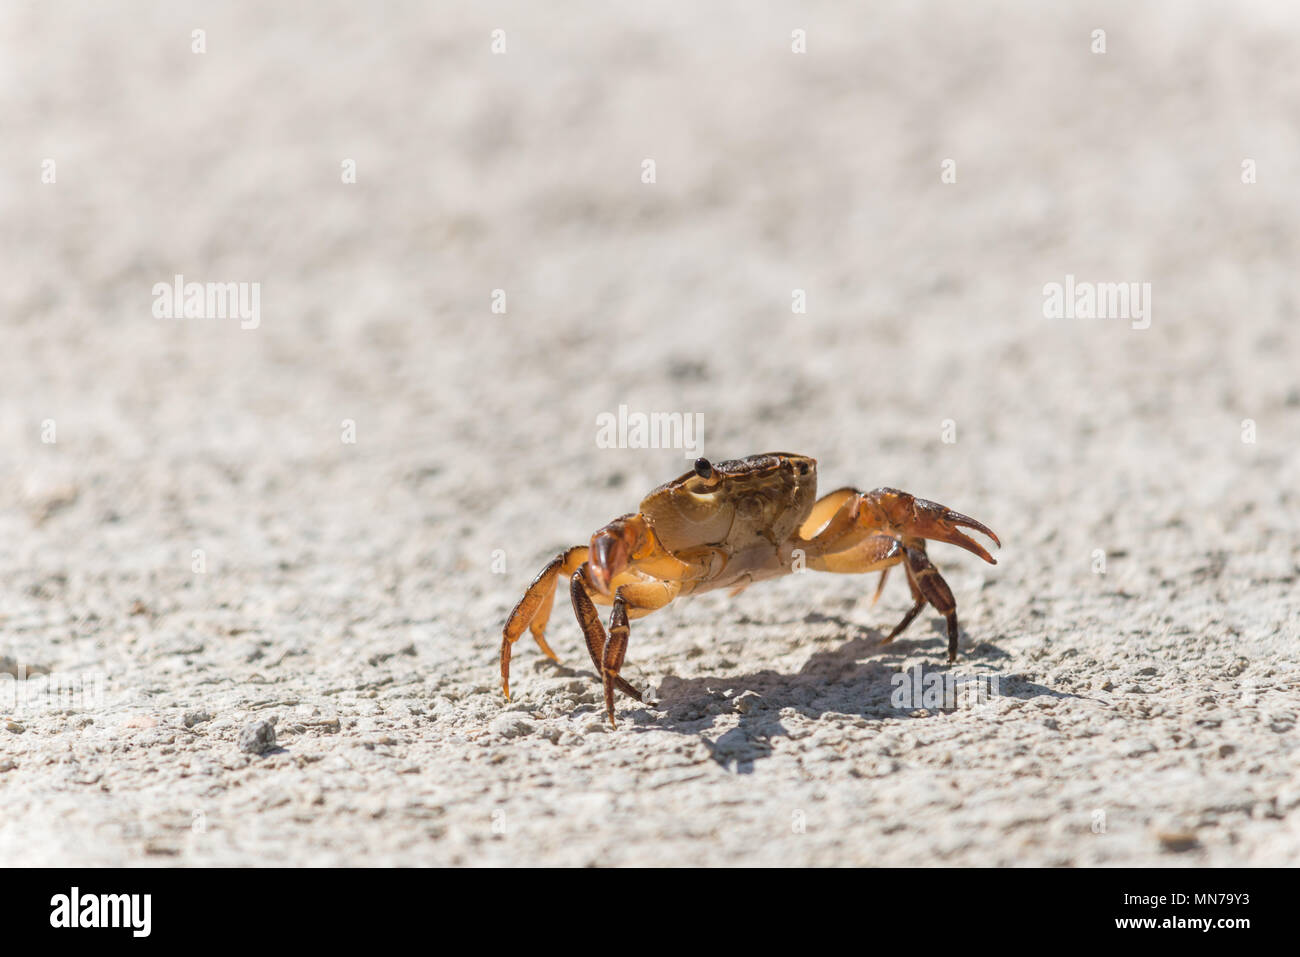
[728, 525]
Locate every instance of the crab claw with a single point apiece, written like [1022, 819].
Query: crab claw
[940, 523]
[608, 556]
[907, 515]
[611, 551]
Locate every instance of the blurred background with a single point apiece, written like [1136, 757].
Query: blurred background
[521, 171]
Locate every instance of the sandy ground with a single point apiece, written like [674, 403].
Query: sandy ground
[186, 524]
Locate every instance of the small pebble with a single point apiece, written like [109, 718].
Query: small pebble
[1177, 841]
[511, 726]
[257, 738]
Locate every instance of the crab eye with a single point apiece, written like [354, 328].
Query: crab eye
[803, 468]
[702, 468]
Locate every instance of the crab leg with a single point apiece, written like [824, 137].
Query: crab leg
[534, 609]
[927, 586]
[918, 602]
[608, 650]
[936, 591]
[592, 630]
[880, 587]
[615, 651]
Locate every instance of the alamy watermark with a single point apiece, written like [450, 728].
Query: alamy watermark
[651, 430]
[179, 299]
[939, 690]
[130, 911]
[21, 693]
[1098, 300]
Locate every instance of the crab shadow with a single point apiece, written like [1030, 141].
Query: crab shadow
[860, 677]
